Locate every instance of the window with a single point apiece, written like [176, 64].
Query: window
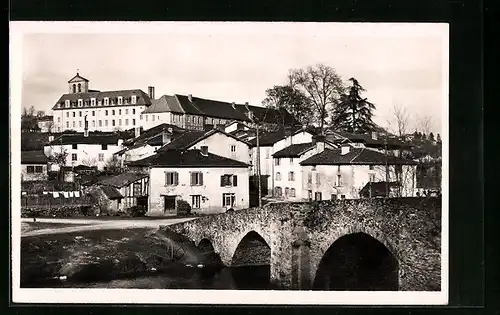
[104, 146]
[309, 178]
[93, 113]
[119, 122]
[67, 103]
[80, 113]
[80, 103]
[196, 179]
[287, 191]
[39, 169]
[153, 118]
[80, 124]
[339, 180]
[67, 114]
[74, 157]
[93, 123]
[92, 102]
[277, 161]
[100, 123]
[228, 180]
[266, 152]
[291, 176]
[146, 117]
[106, 112]
[134, 99]
[169, 203]
[113, 112]
[120, 100]
[100, 157]
[333, 197]
[74, 146]
[113, 123]
[79, 88]
[291, 160]
[67, 124]
[106, 101]
[228, 199]
[292, 192]
[278, 176]
[370, 167]
[58, 119]
[278, 192]
[171, 178]
[74, 124]
[74, 114]
[133, 111]
[317, 196]
[74, 88]
[119, 112]
[195, 201]
[133, 122]
[126, 122]
[233, 148]
[106, 123]
[318, 179]
[140, 117]
[338, 168]
[342, 196]
[137, 189]
[126, 111]
[30, 169]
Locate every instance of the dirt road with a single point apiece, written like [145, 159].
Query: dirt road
[92, 224]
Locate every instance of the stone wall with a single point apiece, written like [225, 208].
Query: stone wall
[300, 233]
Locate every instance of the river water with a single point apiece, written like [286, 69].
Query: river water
[241, 278]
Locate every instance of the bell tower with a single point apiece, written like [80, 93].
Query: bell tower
[78, 84]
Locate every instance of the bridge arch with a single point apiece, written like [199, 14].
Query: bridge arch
[360, 248]
[252, 250]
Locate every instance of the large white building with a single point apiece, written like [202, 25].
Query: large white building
[105, 110]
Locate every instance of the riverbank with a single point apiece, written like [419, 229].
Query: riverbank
[100, 254]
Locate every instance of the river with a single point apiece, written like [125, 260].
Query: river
[249, 278]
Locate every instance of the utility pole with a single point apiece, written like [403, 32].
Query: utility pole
[386, 168]
[258, 167]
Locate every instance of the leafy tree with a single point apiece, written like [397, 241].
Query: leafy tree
[292, 100]
[438, 138]
[353, 113]
[323, 87]
[431, 137]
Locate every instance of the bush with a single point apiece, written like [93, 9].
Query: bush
[59, 212]
[136, 211]
[183, 207]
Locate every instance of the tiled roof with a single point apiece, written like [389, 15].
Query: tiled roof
[294, 150]
[268, 115]
[210, 108]
[367, 139]
[123, 179]
[268, 138]
[111, 192]
[81, 139]
[378, 189]
[359, 156]
[165, 103]
[142, 98]
[33, 157]
[190, 138]
[188, 158]
[45, 118]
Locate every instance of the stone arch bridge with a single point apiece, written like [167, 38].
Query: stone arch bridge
[301, 235]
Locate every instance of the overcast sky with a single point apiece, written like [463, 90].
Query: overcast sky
[238, 62]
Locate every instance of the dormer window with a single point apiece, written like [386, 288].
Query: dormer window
[106, 101]
[80, 102]
[92, 102]
[67, 103]
[134, 99]
[99, 102]
[120, 100]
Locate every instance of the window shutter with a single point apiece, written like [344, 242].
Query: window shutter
[223, 200]
[201, 179]
[235, 180]
[192, 178]
[222, 181]
[176, 178]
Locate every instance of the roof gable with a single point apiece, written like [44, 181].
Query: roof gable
[294, 150]
[77, 78]
[355, 156]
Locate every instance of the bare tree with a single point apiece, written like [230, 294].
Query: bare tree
[50, 126]
[400, 121]
[424, 124]
[322, 85]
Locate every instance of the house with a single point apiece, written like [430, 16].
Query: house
[108, 198]
[46, 123]
[287, 170]
[132, 188]
[34, 165]
[106, 110]
[337, 173]
[210, 183]
[73, 173]
[85, 149]
[374, 140]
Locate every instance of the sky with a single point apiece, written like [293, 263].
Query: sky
[403, 64]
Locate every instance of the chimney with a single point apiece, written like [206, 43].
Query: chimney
[190, 97]
[151, 92]
[166, 137]
[86, 130]
[137, 132]
[344, 149]
[319, 141]
[204, 150]
[374, 135]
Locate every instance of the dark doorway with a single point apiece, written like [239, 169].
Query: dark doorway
[357, 262]
[169, 204]
[142, 202]
[251, 262]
